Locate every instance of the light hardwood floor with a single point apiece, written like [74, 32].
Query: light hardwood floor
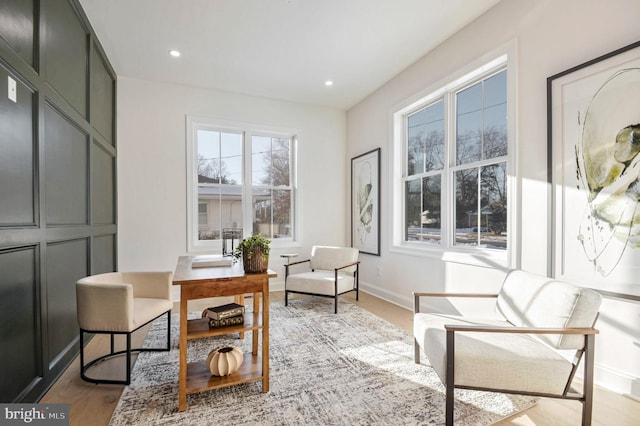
[94, 404]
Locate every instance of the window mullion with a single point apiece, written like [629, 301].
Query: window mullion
[271, 193]
[479, 207]
[218, 185]
[247, 193]
[449, 194]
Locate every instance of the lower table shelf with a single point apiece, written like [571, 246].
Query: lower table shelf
[199, 377]
[199, 327]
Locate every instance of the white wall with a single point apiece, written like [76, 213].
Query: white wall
[152, 216]
[550, 36]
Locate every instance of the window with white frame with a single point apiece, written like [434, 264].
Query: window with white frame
[454, 148]
[240, 179]
[203, 215]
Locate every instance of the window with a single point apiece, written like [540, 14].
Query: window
[203, 215]
[240, 181]
[451, 156]
[271, 186]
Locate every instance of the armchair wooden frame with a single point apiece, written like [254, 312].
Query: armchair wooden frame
[335, 295]
[586, 397]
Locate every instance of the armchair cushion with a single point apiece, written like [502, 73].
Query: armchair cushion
[506, 361]
[329, 258]
[319, 282]
[529, 300]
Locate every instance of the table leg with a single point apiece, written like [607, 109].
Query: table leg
[265, 336]
[182, 377]
[254, 333]
[239, 299]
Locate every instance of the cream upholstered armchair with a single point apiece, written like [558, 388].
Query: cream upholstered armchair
[523, 349]
[120, 303]
[333, 271]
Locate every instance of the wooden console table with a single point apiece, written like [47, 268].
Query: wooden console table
[199, 283]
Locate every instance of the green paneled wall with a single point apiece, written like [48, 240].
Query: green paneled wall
[57, 185]
[17, 200]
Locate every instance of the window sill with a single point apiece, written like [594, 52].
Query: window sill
[284, 243]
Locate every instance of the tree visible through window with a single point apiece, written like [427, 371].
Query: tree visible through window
[272, 190]
[455, 176]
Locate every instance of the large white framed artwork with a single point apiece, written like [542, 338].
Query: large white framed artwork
[365, 202]
[594, 171]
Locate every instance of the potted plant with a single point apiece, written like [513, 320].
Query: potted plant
[254, 252]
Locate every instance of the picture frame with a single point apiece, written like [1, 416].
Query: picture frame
[593, 146]
[365, 202]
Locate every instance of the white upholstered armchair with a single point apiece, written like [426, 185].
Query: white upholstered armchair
[521, 350]
[333, 271]
[120, 303]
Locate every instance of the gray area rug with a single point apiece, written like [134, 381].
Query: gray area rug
[352, 368]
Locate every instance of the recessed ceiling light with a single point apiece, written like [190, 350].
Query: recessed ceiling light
[174, 53]
[328, 83]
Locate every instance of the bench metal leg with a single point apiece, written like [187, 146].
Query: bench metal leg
[450, 401]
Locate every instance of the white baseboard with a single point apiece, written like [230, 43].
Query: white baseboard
[276, 284]
[402, 300]
[617, 381]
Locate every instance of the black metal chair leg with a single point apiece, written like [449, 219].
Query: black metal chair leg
[168, 330]
[357, 276]
[128, 379]
[81, 351]
[126, 352]
[450, 385]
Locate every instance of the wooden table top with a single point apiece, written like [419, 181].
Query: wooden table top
[185, 274]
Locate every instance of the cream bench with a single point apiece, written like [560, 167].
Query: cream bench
[119, 303]
[520, 350]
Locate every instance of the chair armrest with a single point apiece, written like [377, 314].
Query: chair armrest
[298, 262]
[418, 295]
[104, 307]
[356, 263]
[154, 285]
[286, 267]
[521, 330]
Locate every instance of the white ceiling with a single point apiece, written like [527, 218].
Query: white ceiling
[281, 49]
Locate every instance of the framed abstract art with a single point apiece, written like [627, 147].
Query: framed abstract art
[365, 202]
[593, 115]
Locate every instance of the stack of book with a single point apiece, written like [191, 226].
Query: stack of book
[224, 315]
